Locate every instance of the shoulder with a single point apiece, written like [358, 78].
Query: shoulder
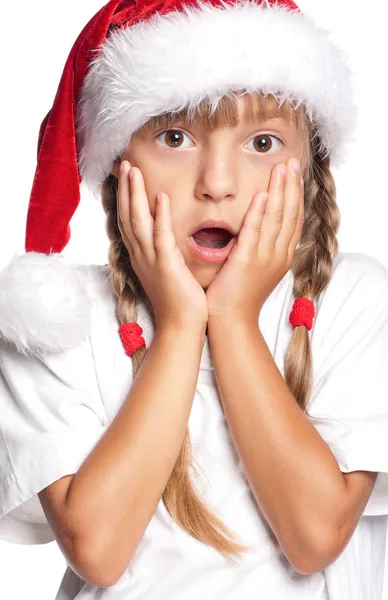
[363, 270]
[358, 279]
[106, 300]
[101, 290]
[355, 302]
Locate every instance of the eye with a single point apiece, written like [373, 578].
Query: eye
[173, 138]
[263, 143]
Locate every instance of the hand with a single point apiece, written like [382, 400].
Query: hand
[176, 296]
[263, 252]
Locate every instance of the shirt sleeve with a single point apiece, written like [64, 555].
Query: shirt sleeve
[349, 400]
[51, 417]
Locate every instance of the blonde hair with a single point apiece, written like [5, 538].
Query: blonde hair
[312, 270]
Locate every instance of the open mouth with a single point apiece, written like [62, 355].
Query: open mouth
[212, 237]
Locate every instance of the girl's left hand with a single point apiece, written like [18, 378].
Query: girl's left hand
[264, 249]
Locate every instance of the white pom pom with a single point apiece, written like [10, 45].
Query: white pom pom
[44, 304]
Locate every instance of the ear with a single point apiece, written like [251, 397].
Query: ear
[116, 168]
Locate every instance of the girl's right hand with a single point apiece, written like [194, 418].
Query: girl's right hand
[176, 296]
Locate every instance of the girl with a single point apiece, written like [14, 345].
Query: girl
[244, 453]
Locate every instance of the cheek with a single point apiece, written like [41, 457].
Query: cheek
[258, 177]
[157, 181]
[159, 175]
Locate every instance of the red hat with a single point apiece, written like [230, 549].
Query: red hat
[131, 62]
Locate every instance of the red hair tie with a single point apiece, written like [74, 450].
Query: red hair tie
[130, 334]
[302, 313]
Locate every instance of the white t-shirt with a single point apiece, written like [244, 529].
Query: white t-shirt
[54, 410]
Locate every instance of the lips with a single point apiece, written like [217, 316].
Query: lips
[210, 224]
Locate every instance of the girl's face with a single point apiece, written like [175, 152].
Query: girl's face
[211, 175]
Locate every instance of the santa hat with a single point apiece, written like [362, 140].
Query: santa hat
[136, 59]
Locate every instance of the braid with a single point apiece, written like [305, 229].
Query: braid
[313, 264]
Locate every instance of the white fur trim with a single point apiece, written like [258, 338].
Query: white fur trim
[44, 305]
[176, 60]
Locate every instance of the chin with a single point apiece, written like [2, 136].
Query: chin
[204, 280]
[204, 276]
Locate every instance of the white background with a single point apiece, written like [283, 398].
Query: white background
[36, 40]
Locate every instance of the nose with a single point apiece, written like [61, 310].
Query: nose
[216, 178]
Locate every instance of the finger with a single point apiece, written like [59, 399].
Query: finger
[164, 239]
[141, 220]
[124, 208]
[274, 210]
[249, 236]
[299, 228]
[293, 194]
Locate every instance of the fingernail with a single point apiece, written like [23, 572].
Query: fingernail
[295, 164]
[122, 167]
[283, 171]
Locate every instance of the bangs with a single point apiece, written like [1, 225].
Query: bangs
[258, 107]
